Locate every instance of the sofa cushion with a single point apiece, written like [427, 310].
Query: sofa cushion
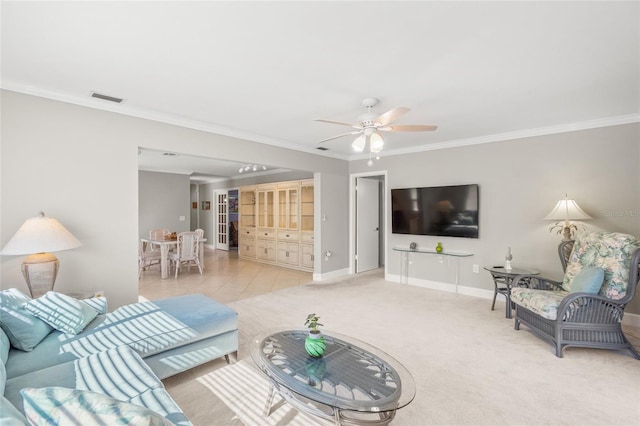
[149, 328]
[5, 345]
[3, 378]
[543, 302]
[119, 373]
[61, 312]
[610, 251]
[23, 329]
[59, 406]
[589, 280]
[9, 415]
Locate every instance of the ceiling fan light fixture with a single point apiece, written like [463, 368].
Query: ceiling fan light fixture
[359, 143]
[376, 143]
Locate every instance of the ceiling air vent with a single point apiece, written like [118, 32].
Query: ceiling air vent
[322, 148]
[106, 97]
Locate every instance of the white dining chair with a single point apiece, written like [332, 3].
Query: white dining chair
[187, 251]
[146, 258]
[157, 234]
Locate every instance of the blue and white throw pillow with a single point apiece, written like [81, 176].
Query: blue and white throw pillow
[23, 329]
[62, 406]
[62, 312]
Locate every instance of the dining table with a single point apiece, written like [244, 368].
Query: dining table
[165, 246]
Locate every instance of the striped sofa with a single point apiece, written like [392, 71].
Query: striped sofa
[122, 355]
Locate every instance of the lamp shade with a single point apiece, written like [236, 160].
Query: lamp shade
[567, 210]
[38, 235]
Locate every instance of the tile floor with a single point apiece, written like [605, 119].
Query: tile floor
[226, 278]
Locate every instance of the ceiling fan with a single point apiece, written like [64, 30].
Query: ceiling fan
[370, 124]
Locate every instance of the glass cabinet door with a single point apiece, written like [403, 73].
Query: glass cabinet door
[288, 208]
[293, 208]
[306, 204]
[265, 209]
[247, 209]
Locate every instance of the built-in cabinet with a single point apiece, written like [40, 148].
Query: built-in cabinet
[276, 224]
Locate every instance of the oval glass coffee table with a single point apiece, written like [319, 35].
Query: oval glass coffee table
[352, 383]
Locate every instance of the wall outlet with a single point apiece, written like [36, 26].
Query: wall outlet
[476, 268]
[99, 293]
[182, 218]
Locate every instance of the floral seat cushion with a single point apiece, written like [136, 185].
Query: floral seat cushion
[610, 251]
[542, 302]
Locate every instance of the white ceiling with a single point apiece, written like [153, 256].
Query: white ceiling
[264, 71]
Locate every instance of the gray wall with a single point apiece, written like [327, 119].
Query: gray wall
[520, 182]
[162, 199]
[80, 165]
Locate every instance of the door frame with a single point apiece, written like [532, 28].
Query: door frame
[352, 216]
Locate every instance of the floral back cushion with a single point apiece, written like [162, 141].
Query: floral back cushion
[610, 251]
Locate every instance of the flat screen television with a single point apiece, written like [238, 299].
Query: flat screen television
[448, 211]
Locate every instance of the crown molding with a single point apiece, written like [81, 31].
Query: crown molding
[125, 109]
[239, 134]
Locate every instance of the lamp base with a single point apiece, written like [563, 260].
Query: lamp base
[40, 271]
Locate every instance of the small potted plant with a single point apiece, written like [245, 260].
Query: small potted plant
[314, 344]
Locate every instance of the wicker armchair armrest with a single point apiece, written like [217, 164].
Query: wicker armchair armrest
[537, 283]
[590, 308]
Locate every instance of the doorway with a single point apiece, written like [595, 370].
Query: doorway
[368, 219]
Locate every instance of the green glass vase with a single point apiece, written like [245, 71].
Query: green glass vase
[315, 345]
[439, 247]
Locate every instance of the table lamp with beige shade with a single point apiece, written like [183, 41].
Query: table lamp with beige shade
[38, 237]
[564, 212]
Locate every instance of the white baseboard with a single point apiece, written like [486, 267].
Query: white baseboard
[632, 320]
[331, 275]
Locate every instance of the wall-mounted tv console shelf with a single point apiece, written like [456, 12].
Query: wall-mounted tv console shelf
[449, 255]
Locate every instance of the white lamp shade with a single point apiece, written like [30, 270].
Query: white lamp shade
[376, 143]
[359, 143]
[39, 235]
[567, 210]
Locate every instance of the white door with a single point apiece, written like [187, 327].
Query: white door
[222, 219]
[367, 224]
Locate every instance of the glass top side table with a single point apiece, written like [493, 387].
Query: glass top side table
[353, 382]
[502, 280]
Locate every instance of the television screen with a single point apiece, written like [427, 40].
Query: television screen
[450, 211]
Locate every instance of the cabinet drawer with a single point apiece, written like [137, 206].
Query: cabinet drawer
[307, 237]
[288, 235]
[247, 232]
[267, 234]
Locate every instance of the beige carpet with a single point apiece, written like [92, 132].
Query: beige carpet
[470, 366]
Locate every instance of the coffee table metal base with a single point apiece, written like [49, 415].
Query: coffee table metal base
[336, 415]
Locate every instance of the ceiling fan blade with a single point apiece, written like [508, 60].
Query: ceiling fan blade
[339, 136]
[408, 128]
[335, 122]
[391, 115]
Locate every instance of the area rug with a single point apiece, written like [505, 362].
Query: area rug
[245, 391]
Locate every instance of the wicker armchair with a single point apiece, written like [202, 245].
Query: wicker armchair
[564, 318]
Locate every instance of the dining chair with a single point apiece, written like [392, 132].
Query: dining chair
[187, 251]
[146, 258]
[157, 234]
